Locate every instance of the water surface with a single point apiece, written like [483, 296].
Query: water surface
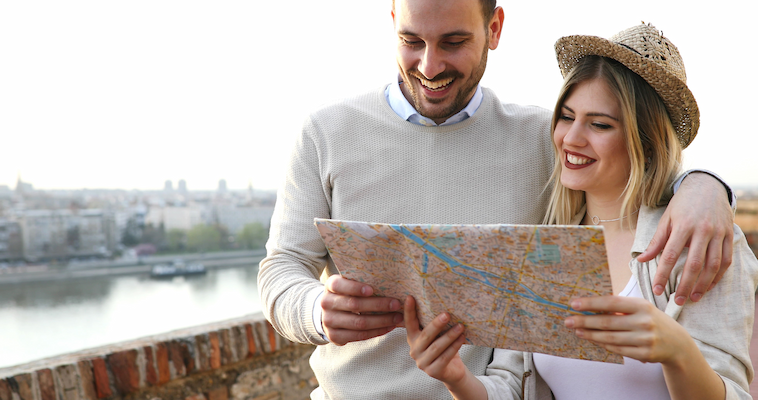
[44, 319]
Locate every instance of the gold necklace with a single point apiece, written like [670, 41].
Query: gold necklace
[596, 220]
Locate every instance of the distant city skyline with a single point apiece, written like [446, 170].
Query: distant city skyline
[210, 91]
[168, 185]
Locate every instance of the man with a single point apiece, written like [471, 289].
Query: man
[434, 147]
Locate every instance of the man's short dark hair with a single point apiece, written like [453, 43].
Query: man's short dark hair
[488, 9]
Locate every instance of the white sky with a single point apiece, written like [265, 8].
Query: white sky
[128, 94]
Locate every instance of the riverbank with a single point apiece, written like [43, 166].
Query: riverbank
[142, 265]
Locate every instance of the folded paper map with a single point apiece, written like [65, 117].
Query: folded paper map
[509, 285]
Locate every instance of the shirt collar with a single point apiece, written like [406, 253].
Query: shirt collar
[405, 110]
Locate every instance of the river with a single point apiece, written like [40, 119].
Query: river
[44, 319]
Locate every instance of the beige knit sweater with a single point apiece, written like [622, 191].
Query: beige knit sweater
[357, 160]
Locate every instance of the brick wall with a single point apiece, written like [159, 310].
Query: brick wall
[237, 359]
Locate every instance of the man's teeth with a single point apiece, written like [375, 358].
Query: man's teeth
[576, 160]
[435, 85]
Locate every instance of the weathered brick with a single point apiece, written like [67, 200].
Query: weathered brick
[161, 358]
[220, 393]
[151, 375]
[272, 337]
[102, 382]
[227, 357]
[240, 342]
[87, 380]
[125, 373]
[188, 348]
[261, 336]
[5, 390]
[203, 352]
[67, 382]
[46, 384]
[215, 350]
[24, 385]
[175, 355]
[251, 348]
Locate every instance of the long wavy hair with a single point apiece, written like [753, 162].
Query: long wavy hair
[651, 141]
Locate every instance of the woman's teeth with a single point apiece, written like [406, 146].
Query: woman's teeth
[576, 160]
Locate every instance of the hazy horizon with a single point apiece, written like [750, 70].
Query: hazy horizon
[129, 95]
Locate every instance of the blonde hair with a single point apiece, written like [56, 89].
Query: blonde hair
[649, 135]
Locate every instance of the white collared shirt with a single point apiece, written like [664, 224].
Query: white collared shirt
[406, 111]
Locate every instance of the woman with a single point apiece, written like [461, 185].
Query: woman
[621, 121]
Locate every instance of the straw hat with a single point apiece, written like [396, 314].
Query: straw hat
[653, 57]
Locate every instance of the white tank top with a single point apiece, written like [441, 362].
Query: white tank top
[571, 379]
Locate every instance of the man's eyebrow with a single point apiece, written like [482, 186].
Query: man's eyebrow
[592, 114]
[448, 34]
[458, 33]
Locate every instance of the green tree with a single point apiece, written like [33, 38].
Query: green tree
[155, 236]
[177, 239]
[227, 240]
[203, 238]
[252, 236]
[132, 233]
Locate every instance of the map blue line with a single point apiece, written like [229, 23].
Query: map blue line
[453, 263]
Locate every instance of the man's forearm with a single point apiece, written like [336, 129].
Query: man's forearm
[729, 192]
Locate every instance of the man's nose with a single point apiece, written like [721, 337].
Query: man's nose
[432, 63]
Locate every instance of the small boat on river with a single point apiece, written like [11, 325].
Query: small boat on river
[177, 268]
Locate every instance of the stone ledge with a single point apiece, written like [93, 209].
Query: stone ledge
[123, 370]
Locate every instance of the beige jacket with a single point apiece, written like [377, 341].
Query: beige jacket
[721, 323]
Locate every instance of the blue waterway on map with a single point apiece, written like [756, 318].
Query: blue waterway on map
[453, 263]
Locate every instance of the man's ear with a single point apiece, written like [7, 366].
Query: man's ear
[495, 27]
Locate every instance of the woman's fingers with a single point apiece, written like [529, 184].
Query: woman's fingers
[410, 317]
[631, 327]
[610, 304]
[440, 351]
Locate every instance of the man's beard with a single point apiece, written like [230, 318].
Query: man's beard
[461, 99]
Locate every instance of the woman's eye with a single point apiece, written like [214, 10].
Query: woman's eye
[601, 126]
[566, 118]
[410, 42]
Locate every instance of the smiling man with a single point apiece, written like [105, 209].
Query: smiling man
[431, 147]
[441, 68]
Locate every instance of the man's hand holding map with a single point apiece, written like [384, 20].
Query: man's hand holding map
[509, 285]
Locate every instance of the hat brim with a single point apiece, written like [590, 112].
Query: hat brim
[679, 101]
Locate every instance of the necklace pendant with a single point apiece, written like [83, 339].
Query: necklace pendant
[595, 220]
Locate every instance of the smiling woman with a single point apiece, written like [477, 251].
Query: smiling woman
[590, 134]
[623, 115]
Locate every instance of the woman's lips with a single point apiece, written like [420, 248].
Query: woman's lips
[576, 160]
